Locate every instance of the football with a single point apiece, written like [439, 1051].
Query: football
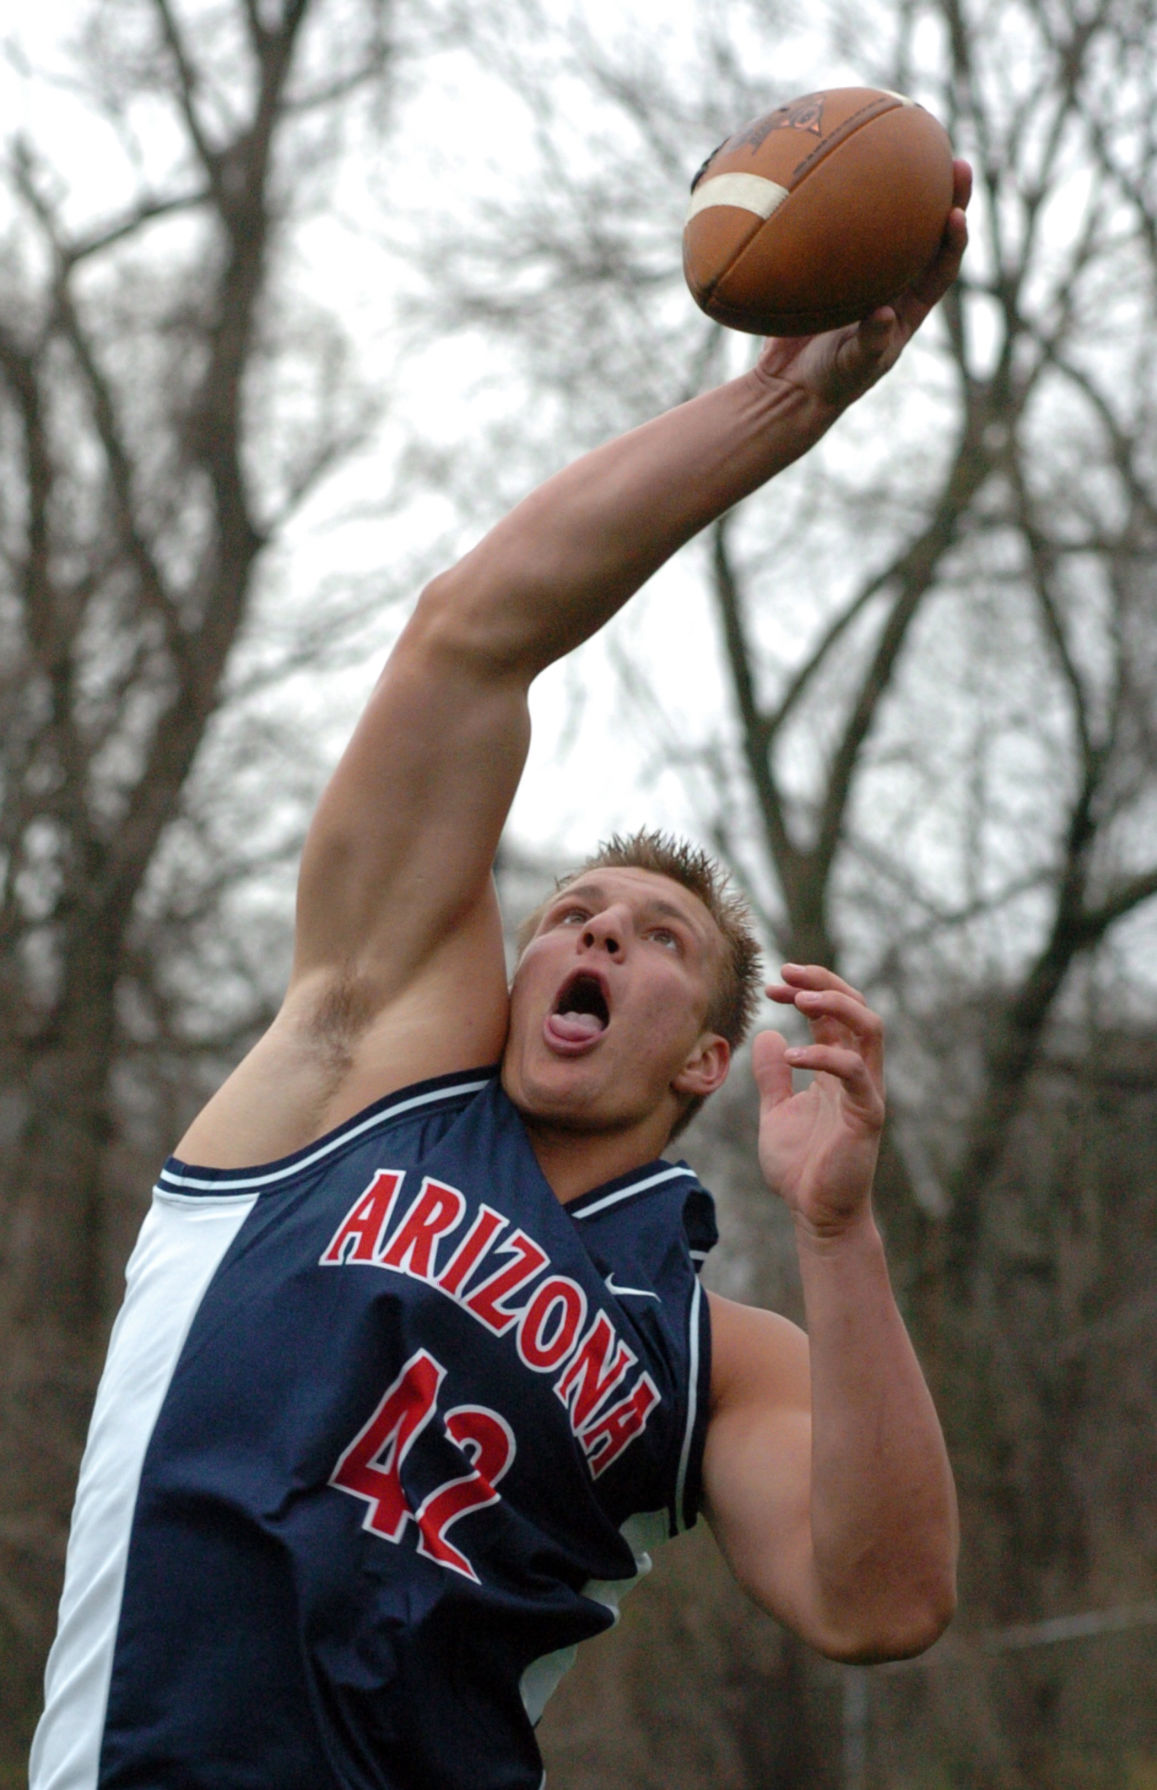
[817, 213]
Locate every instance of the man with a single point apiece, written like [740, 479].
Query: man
[413, 1364]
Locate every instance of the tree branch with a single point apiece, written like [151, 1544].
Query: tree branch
[913, 577]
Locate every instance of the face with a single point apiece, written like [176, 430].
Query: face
[608, 1004]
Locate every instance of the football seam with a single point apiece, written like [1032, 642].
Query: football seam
[886, 103]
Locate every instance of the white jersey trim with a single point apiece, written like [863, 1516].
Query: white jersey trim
[693, 1328]
[174, 1180]
[626, 1193]
[177, 1254]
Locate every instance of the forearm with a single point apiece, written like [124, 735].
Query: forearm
[567, 558]
[883, 1508]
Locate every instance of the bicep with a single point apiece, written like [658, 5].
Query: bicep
[757, 1463]
[399, 970]
[399, 853]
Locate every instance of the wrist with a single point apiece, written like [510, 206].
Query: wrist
[795, 409]
[837, 1234]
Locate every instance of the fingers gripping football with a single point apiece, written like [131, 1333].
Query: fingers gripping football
[818, 1145]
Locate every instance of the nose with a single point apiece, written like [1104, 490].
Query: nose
[607, 932]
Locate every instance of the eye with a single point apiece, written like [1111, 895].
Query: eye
[662, 935]
[572, 916]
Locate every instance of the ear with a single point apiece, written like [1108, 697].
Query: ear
[705, 1069]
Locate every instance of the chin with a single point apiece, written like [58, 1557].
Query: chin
[568, 1102]
[552, 1100]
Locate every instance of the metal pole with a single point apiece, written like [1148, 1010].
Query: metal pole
[855, 1723]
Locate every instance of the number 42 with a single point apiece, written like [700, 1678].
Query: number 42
[371, 1467]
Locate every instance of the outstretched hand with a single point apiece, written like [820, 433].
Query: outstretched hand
[842, 364]
[818, 1147]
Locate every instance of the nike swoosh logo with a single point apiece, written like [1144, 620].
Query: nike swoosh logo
[638, 1292]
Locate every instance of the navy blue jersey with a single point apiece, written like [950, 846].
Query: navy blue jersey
[384, 1432]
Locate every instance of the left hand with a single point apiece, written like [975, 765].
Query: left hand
[842, 364]
[818, 1148]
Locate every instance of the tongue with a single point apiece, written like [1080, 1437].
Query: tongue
[574, 1026]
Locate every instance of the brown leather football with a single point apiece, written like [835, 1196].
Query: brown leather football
[817, 213]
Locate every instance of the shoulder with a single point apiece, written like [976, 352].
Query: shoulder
[342, 1041]
[757, 1357]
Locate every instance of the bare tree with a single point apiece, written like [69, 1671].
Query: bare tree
[167, 408]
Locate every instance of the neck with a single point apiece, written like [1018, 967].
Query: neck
[575, 1161]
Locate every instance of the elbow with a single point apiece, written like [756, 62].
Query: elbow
[442, 623]
[469, 619]
[896, 1627]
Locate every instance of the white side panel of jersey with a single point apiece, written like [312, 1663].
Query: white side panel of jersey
[543, 1676]
[180, 1245]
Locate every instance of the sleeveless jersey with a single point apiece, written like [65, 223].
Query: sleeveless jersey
[385, 1430]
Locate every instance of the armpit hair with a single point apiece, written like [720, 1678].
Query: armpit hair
[342, 1012]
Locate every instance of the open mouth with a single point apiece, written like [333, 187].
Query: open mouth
[581, 1010]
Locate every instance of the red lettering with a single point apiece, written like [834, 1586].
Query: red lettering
[473, 1245]
[487, 1300]
[436, 1210]
[604, 1440]
[595, 1372]
[558, 1302]
[371, 1466]
[488, 1440]
[364, 1225]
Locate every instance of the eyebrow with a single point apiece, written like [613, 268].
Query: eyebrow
[656, 904]
[669, 908]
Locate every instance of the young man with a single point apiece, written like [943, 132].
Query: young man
[413, 1364]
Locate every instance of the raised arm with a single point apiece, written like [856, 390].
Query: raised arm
[398, 968]
[447, 724]
[446, 731]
